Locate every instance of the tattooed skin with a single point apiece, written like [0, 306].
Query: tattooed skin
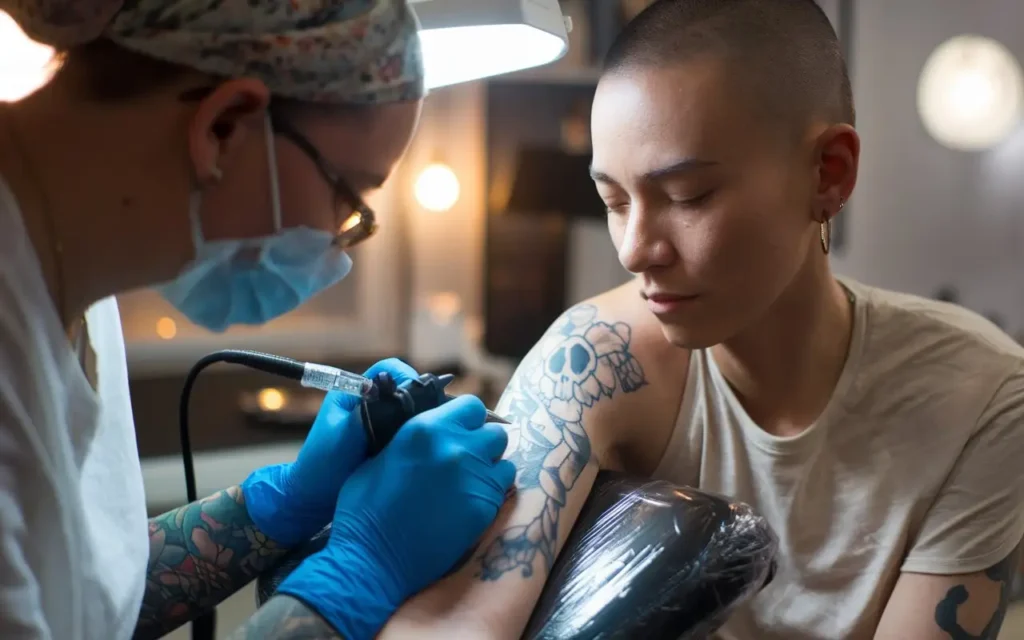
[579, 361]
[946, 611]
[199, 555]
[285, 618]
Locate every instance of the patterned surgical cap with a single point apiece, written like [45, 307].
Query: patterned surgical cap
[333, 51]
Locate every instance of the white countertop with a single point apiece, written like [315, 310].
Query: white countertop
[164, 476]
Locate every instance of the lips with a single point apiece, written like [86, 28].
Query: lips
[666, 298]
[664, 304]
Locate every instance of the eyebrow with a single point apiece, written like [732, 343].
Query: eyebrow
[686, 165]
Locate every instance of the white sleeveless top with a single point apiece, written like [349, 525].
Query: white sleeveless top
[914, 465]
[73, 526]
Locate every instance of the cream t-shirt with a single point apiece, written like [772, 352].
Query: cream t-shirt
[914, 465]
[73, 526]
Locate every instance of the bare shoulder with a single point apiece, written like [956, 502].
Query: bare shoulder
[622, 308]
[607, 358]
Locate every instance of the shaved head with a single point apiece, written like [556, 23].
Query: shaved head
[723, 144]
[784, 54]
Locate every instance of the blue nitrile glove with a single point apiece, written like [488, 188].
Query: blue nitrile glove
[291, 502]
[405, 518]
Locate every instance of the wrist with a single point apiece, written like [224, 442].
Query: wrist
[345, 589]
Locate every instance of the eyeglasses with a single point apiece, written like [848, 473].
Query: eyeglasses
[356, 220]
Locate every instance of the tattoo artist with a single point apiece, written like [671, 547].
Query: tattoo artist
[221, 153]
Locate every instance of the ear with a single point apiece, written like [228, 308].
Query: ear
[838, 156]
[222, 122]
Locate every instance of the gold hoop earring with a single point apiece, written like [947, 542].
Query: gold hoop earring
[826, 229]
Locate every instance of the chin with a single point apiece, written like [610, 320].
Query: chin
[692, 337]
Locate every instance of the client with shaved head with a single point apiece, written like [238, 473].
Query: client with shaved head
[878, 432]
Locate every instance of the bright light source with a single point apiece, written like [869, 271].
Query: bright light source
[25, 65]
[271, 399]
[437, 188]
[971, 93]
[461, 54]
[166, 328]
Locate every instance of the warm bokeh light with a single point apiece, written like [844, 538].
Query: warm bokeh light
[166, 328]
[25, 65]
[437, 188]
[971, 93]
[271, 399]
[443, 307]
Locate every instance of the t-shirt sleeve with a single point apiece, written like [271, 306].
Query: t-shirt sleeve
[977, 520]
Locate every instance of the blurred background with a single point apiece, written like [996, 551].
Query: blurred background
[491, 227]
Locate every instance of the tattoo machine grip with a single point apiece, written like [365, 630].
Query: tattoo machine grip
[391, 405]
[396, 404]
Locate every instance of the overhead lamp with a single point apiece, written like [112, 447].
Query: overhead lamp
[25, 65]
[466, 40]
[971, 93]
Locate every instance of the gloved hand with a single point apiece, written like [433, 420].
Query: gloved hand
[406, 517]
[291, 502]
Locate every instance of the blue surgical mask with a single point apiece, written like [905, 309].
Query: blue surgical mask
[254, 280]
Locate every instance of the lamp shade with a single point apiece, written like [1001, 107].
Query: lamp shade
[467, 40]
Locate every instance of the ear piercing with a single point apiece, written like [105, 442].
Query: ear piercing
[826, 229]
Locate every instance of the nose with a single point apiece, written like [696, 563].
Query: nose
[645, 244]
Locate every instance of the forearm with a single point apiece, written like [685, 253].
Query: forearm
[200, 554]
[285, 618]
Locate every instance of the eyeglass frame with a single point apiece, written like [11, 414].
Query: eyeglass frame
[344, 195]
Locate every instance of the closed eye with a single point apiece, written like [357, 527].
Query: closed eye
[695, 201]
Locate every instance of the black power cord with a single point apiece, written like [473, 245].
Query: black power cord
[204, 627]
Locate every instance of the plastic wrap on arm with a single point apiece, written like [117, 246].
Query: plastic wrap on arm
[648, 559]
[645, 559]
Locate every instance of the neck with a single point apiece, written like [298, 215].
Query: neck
[87, 198]
[785, 368]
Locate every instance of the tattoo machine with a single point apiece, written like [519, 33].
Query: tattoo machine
[385, 405]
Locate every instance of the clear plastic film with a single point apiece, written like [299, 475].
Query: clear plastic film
[645, 559]
[648, 559]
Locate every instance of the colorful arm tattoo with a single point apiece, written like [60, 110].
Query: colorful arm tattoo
[200, 554]
[285, 618]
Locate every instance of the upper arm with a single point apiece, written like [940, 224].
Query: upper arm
[581, 375]
[957, 575]
[956, 607]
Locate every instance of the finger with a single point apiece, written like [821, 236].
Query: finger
[464, 412]
[504, 472]
[399, 371]
[489, 442]
[336, 407]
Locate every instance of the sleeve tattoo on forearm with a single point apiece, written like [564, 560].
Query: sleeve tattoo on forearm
[285, 618]
[947, 609]
[200, 554]
[578, 362]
